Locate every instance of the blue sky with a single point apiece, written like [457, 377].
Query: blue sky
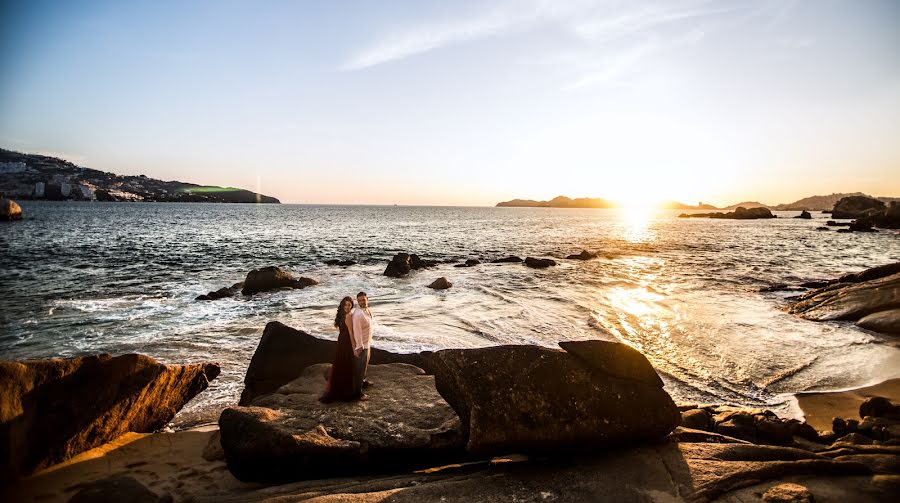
[465, 102]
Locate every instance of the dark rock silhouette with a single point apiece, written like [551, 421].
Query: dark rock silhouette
[403, 263]
[512, 259]
[584, 255]
[539, 263]
[271, 278]
[740, 213]
[342, 263]
[51, 410]
[472, 262]
[221, 293]
[857, 206]
[804, 215]
[440, 284]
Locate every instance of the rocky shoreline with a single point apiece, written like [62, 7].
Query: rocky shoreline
[508, 422]
[587, 420]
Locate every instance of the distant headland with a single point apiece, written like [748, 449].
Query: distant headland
[32, 176]
[812, 203]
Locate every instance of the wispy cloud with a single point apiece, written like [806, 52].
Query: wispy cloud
[612, 38]
[421, 39]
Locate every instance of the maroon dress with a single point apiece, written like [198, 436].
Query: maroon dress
[340, 377]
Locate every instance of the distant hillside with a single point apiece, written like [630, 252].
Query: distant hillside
[32, 176]
[748, 205]
[586, 202]
[815, 203]
[558, 202]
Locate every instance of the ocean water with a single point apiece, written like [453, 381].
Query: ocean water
[82, 278]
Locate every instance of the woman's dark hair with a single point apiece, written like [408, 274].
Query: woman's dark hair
[341, 315]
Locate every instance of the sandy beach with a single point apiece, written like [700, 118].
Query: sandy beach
[164, 462]
[820, 408]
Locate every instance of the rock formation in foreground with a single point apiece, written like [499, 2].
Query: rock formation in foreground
[290, 435]
[871, 298]
[522, 398]
[479, 402]
[51, 410]
[283, 352]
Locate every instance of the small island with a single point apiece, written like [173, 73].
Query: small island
[591, 202]
[33, 176]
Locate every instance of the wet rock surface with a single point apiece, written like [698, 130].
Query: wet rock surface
[871, 298]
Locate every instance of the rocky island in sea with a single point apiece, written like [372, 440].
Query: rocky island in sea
[32, 176]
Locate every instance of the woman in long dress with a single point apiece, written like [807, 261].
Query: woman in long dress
[340, 377]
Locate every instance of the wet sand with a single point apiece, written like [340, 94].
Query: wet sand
[820, 408]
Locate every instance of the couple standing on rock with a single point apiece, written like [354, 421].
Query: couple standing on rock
[347, 376]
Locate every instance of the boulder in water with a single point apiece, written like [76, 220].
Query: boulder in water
[440, 284]
[51, 410]
[271, 278]
[539, 263]
[512, 259]
[402, 263]
[804, 215]
[472, 262]
[341, 263]
[9, 210]
[221, 293]
[584, 255]
[856, 207]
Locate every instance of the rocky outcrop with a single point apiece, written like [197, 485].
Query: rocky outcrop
[856, 207]
[871, 298]
[341, 263]
[512, 259]
[472, 262]
[283, 353]
[584, 255]
[440, 284]
[804, 215]
[51, 410]
[9, 210]
[290, 435]
[534, 399]
[403, 263]
[221, 293]
[271, 278]
[539, 263]
[740, 213]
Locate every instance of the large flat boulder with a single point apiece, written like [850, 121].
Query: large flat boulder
[535, 399]
[51, 410]
[283, 352]
[290, 435]
[871, 298]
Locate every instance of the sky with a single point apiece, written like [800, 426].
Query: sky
[464, 102]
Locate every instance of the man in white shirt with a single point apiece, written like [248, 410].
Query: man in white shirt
[362, 340]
